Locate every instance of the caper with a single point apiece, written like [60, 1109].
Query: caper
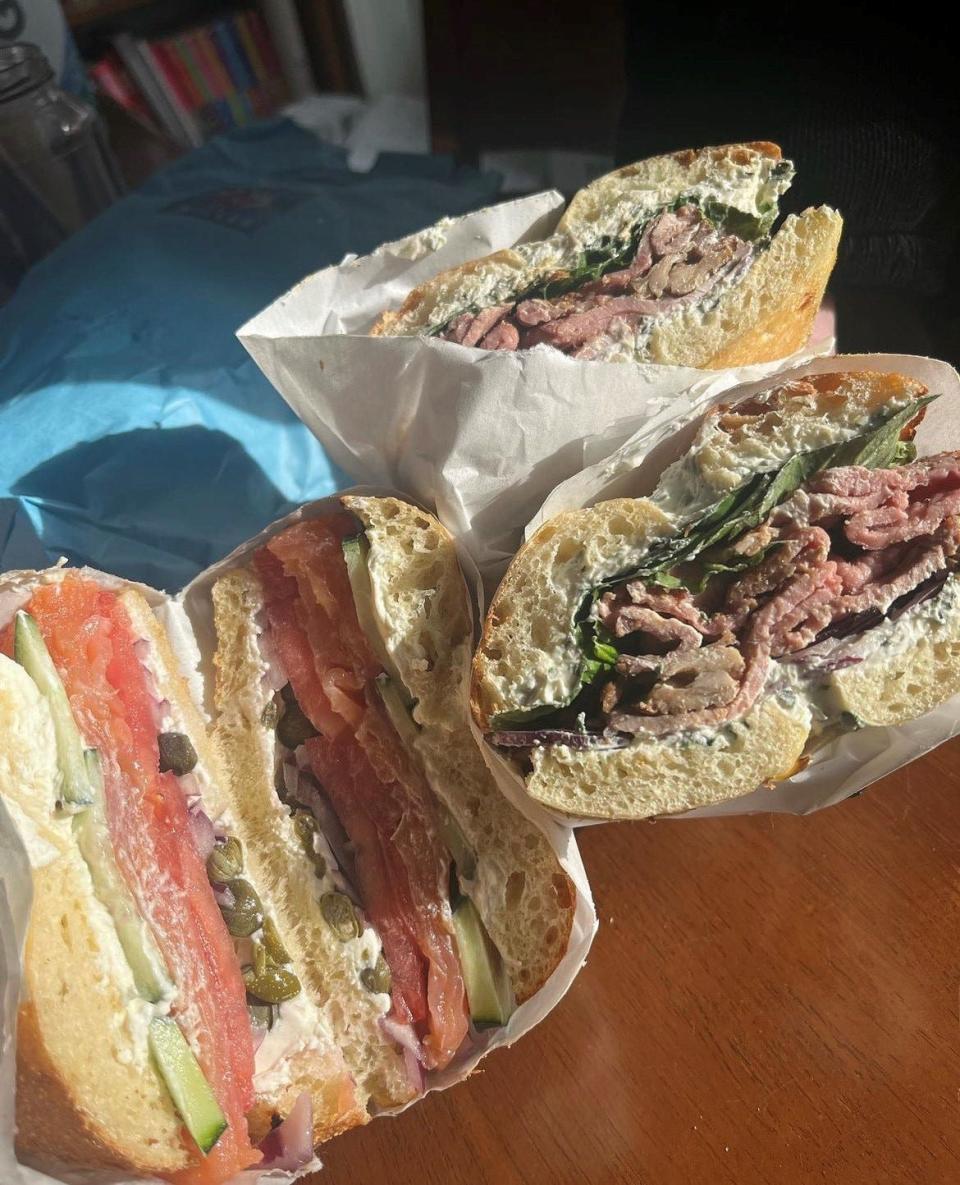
[273, 985]
[177, 754]
[225, 862]
[271, 941]
[305, 825]
[270, 714]
[245, 915]
[306, 828]
[340, 916]
[377, 978]
[294, 727]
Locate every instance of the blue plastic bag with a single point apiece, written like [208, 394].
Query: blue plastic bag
[136, 432]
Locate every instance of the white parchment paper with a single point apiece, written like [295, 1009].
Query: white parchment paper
[632, 470]
[480, 436]
[188, 619]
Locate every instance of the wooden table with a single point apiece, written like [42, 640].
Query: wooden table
[769, 1000]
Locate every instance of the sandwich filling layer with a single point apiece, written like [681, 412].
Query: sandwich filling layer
[679, 257]
[362, 803]
[831, 546]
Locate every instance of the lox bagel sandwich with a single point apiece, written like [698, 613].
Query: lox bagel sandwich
[342, 671]
[790, 578]
[137, 1033]
[668, 260]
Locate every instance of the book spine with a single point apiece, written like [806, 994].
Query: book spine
[242, 27]
[168, 76]
[231, 56]
[210, 114]
[177, 58]
[236, 68]
[264, 43]
[157, 65]
[218, 77]
[132, 57]
[115, 82]
[287, 37]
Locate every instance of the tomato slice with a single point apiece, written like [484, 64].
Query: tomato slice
[379, 795]
[93, 644]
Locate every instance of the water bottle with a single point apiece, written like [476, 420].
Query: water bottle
[56, 170]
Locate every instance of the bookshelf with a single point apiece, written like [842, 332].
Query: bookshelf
[181, 71]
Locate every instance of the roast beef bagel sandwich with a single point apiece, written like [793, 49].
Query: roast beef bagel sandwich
[341, 689]
[668, 260]
[227, 961]
[792, 577]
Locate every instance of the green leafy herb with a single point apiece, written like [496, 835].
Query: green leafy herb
[880, 449]
[598, 655]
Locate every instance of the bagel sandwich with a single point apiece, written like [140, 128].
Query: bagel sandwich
[790, 578]
[341, 678]
[670, 260]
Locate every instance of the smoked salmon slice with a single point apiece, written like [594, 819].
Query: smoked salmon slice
[93, 644]
[379, 795]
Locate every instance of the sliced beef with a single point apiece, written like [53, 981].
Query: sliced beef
[503, 336]
[900, 534]
[680, 257]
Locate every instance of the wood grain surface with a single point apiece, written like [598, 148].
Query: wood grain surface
[769, 1000]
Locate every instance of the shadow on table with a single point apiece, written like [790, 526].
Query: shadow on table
[192, 492]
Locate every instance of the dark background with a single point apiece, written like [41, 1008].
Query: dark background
[863, 99]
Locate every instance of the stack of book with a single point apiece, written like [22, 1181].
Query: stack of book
[200, 81]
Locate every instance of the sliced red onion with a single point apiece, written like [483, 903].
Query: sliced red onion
[400, 1032]
[203, 833]
[290, 1145]
[414, 1070]
[406, 1038]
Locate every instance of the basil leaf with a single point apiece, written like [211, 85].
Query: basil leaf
[880, 449]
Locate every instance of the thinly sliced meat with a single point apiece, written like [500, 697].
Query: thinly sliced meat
[379, 796]
[503, 336]
[673, 230]
[483, 322]
[575, 330]
[894, 532]
[534, 312]
[93, 645]
[875, 529]
[636, 619]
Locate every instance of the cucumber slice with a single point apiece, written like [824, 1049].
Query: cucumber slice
[355, 552]
[30, 651]
[396, 702]
[189, 1089]
[93, 839]
[484, 975]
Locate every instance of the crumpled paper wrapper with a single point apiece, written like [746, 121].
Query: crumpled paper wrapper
[850, 764]
[189, 621]
[479, 435]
